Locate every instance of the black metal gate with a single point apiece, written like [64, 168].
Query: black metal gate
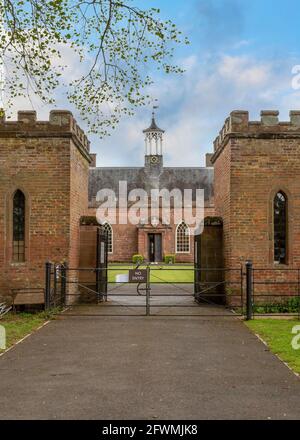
[212, 291]
[208, 291]
[155, 296]
[217, 286]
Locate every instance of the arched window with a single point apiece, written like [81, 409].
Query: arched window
[108, 230]
[18, 251]
[280, 228]
[182, 238]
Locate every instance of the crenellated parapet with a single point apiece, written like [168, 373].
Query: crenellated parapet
[61, 123]
[237, 125]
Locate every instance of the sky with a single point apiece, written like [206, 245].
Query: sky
[240, 58]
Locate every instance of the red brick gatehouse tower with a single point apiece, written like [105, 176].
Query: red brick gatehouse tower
[44, 167]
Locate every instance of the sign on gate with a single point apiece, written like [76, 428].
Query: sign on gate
[137, 275]
[102, 253]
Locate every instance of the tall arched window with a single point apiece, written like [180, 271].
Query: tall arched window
[109, 232]
[182, 238]
[18, 251]
[280, 228]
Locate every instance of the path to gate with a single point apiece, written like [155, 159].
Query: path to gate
[146, 367]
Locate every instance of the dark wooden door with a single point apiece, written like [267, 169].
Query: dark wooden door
[155, 248]
[158, 248]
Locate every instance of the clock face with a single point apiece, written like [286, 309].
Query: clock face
[154, 159]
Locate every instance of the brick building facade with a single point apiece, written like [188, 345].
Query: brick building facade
[49, 184]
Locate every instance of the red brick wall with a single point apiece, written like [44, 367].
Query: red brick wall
[79, 169]
[41, 159]
[253, 160]
[130, 239]
[222, 191]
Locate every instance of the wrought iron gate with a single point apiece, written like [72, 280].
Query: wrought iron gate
[207, 291]
[117, 294]
[218, 286]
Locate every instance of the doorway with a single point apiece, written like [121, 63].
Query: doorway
[155, 248]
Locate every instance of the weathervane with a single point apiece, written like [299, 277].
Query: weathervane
[155, 107]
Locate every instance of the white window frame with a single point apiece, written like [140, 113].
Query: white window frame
[189, 235]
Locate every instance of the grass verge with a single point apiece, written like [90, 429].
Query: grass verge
[18, 325]
[277, 333]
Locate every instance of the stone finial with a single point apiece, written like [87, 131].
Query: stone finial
[239, 120]
[216, 143]
[295, 117]
[27, 116]
[208, 157]
[269, 117]
[61, 118]
[93, 157]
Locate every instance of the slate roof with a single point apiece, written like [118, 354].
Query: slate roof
[170, 178]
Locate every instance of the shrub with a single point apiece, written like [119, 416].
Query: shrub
[137, 259]
[169, 259]
[291, 305]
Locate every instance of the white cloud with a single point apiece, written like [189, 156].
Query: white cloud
[244, 71]
[241, 43]
[193, 106]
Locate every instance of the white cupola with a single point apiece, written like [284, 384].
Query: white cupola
[153, 139]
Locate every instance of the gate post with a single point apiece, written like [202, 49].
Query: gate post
[249, 292]
[63, 277]
[148, 293]
[97, 283]
[101, 266]
[48, 267]
[55, 272]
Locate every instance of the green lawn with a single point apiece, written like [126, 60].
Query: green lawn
[278, 335]
[158, 274]
[18, 325]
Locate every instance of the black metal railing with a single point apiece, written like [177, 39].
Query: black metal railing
[245, 291]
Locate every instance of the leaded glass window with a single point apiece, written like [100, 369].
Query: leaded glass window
[280, 228]
[18, 251]
[109, 233]
[182, 238]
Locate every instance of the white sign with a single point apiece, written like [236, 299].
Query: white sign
[2, 338]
